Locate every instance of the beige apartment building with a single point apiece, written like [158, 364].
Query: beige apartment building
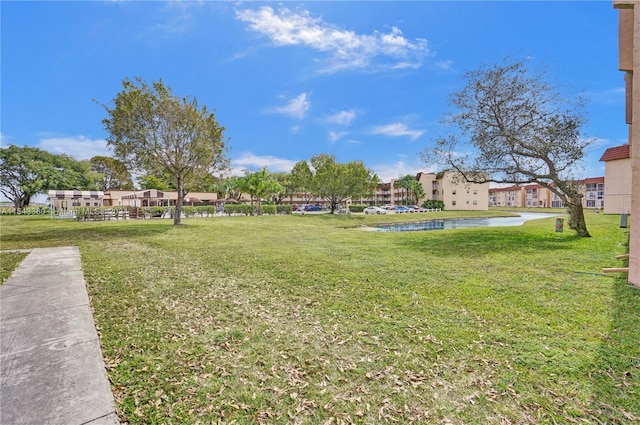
[450, 188]
[67, 200]
[617, 187]
[628, 62]
[537, 196]
[455, 193]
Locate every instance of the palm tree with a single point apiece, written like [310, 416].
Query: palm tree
[259, 185]
[407, 183]
[417, 191]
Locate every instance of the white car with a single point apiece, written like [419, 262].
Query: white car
[374, 210]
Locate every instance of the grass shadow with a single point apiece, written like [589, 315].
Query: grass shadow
[616, 376]
[76, 233]
[478, 243]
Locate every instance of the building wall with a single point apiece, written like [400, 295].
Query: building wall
[617, 186]
[628, 61]
[429, 184]
[511, 196]
[459, 195]
[537, 196]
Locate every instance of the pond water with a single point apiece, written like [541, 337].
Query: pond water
[463, 223]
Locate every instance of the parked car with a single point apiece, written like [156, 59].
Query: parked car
[374, 210]
[416, 208]
[344, 211]
[310, 207]
[402, 209]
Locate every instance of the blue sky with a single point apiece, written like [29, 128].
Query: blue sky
[360, 80]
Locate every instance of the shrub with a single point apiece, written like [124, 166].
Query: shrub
[433, 204]
[284, 209]
[357, 208]
[157, 211]
[268, 209]
[238, 209]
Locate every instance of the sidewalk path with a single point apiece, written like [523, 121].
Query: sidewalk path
[51, 365]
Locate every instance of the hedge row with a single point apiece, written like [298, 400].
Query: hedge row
[357, 208]
[247, 209]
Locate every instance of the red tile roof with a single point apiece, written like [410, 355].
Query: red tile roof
[617, 152]
[592, 180]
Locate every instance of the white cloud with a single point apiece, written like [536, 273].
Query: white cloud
[249, 161]
[397, 130]
[343, 118]
[296, 107]
[79, 147]
[345, 49]
[387, 172]
[607, 97]
[179, 17]
[334, 136]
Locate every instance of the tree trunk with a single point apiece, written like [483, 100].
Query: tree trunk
[576, 218]
[21, 202]
[178, 214]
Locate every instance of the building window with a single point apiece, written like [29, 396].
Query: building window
[475, 202]
[453, 192]
[475, 191]
[453, 203]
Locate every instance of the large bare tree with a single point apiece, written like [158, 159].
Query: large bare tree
[510, 125]
[155, 132]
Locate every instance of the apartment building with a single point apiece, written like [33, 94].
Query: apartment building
[538, 196]
[593, 193]
[510, 196]
[617, 186]
[457, 194]
[446, 186]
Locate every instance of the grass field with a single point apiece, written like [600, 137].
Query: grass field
[8, 263]
[308, 319]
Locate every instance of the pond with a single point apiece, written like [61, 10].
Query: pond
[463, 223]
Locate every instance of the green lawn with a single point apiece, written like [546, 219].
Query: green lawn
[9, 261]
[309, 319]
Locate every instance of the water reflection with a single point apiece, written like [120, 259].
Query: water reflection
[463, 223]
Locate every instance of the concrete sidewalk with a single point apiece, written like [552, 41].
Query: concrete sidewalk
[51, 365]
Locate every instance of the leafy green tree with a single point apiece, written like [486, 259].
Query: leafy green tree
[154, 131]
[522, 131]
[336, 182]
[27, 171]
[156, 181]
[302, 180]
[113, 174]
[234, 188]
[287, 185]
[259, 185]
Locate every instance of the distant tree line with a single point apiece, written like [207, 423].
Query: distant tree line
[28, 171]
